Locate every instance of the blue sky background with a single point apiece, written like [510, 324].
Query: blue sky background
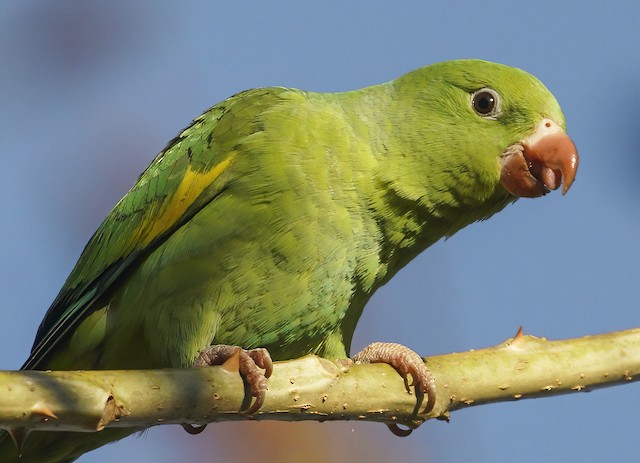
[91, 91]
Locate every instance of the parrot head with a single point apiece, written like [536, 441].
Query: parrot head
[494, 131]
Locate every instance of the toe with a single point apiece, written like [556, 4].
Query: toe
[406, 362]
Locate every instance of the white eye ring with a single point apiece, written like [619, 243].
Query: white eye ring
[486, 103]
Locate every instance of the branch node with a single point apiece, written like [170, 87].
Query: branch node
[42, 409]
[232, 364]
[112, 412]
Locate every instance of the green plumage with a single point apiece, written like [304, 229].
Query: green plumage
[272, 219]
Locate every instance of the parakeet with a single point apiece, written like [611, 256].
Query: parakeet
[271, 220]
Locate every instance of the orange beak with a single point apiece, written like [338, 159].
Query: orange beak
[540, 163]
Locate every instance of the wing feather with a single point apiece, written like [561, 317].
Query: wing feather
[188, 174]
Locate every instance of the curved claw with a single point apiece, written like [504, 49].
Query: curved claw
[193, 429]
[431, 399]
[257, 404]
[424, 384]
[398, 431]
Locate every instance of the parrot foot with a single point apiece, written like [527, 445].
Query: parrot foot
[250, 363]
[407, 363]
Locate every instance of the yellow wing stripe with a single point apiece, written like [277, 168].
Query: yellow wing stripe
[191, 186]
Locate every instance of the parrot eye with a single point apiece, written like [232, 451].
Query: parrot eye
[486, 102]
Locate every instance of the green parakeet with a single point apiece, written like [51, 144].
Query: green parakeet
[271, 220]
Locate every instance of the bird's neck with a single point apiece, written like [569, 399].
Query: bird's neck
[411, 210]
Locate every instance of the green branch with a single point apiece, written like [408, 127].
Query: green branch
[312, 388]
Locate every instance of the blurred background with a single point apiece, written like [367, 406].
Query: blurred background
[91, 91]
